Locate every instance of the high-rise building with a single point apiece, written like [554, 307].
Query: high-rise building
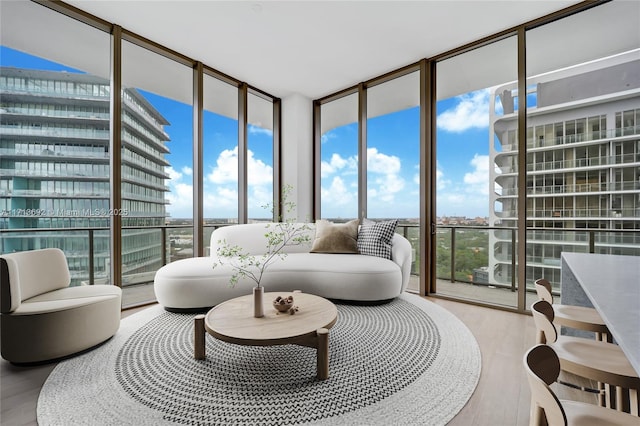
[583, 165]
[55, 170]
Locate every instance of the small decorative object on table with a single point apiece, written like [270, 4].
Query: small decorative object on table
[284, 304]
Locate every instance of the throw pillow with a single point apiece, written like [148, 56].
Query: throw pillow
[374, 238]
[336, 237]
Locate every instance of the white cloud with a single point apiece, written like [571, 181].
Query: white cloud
[219, 198]
[378, 162]
[226, 169]
[416, 176]
[388, 182]
[327, 136]
[337, 194]
[441, 181]
[260, 173]
[468, 196]
[388, 186]
[257, 130]
[259, 197]
[180, 196]
[472, 111]
[220, 187]
[384, 183]
[173, 174]
[477, 180]
[181, 200]
[338, 164]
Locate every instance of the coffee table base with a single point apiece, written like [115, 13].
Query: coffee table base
[319, 341]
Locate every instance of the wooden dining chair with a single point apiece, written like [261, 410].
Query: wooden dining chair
[600, 361]
[542, 366]
[578, 317]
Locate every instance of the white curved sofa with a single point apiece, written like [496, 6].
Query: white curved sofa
[191, 284]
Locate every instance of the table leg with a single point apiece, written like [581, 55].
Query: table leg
[323, 353]
[198, 338]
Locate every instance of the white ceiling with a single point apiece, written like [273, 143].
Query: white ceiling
[314, 48]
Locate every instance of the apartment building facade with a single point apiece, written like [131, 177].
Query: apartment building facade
[583, 166]
[55, 171]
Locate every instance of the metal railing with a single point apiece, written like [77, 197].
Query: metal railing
[545, 142]
[497, 243]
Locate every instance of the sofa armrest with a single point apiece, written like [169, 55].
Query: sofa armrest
[402, 254]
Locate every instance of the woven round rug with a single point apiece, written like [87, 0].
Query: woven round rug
[407, 362]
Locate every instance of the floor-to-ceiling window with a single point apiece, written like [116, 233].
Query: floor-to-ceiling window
[157, 163]
[220, 155]
[477, 174]
[583, 139]
[260, 158]
[339, 158]
[54, 138]
[393, 157]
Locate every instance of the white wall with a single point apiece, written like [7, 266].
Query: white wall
[297, 153]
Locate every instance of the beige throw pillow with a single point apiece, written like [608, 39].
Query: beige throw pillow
[336, 237]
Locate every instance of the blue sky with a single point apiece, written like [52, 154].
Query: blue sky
[393, 158]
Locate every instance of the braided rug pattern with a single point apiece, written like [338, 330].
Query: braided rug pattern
[277, 385]
[407, 362]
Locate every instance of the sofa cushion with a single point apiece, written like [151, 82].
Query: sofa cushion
[374, 238]
[68, 298]
[336, 237]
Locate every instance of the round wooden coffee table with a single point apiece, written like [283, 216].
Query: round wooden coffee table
[233, 321]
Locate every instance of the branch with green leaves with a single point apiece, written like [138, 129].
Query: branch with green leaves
[278, 236]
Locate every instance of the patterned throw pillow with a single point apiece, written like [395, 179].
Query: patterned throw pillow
[374, 238]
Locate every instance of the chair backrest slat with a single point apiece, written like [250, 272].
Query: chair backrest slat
[543, 367]
[543, 290]
[543, 316]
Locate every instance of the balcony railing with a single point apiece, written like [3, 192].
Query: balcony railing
[62, 132]
[65, 94]
[69, 153]
[463, 253]
[582, 187]
[608, 160]
[594, 213]
[457, 252]
[569, 139]
[55, 173]
[46, 112]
